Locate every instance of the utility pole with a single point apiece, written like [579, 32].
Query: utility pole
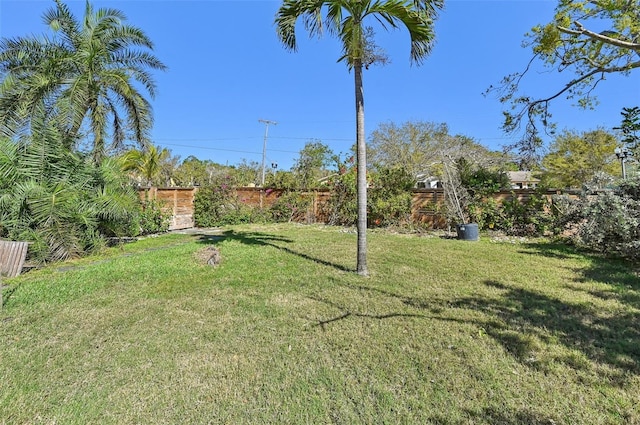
[264, 146]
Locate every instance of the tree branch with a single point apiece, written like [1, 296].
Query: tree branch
[586, 76]
[600, 37]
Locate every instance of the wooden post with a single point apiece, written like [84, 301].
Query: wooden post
[12, 256]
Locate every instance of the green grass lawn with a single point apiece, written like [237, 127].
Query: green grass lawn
[284, 331]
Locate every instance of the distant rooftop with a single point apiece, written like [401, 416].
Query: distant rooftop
[522, 179]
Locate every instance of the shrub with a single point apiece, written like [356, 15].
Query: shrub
[61, 201]
[290, 206]
[390, 198]
[487, 213]
[529, 217]
[217, 204]
[152, 219]
[342, 207]
[212, 202]
[607, 220]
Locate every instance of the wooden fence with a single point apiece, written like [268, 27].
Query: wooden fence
[426, 204]
[173, 200]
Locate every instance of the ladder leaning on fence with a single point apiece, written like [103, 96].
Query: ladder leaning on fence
[12, 256]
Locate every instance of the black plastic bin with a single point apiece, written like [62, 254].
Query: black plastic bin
[468, 232]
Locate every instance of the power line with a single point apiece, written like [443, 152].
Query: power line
[251, 138]
[214, 149]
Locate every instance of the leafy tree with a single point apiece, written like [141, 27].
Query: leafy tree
[282, 180]
[481, 181]
[89, 73]
[312, 164]
[572, 43]
[347, 20]
[629, 128]
[247, 173]
[574, 160]
[147, 164]
[417, 147]
[413, 146]
[196, 172]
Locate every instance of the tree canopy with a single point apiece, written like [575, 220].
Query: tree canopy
[312, 164]
[90, 74]
[418, 147]
[575, 43]
[576, 159]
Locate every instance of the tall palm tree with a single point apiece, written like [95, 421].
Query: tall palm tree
[92, 73]
[348, 19]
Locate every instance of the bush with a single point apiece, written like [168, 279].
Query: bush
[390, 198]
[152, 219]
[218, 204]
[290, 206]
[480, 181]
[60, 200]
[487, 213]
[606, 221]
[527, 218]
[530, 217]
[342, 207]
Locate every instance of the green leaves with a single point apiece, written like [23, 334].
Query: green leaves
[346, 19]
[575, 159]
[86, 75]
[607, 221]
[60, 200]
[575, 42]
[147, 163]
[630, 127]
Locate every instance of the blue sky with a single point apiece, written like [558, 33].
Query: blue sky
[227, 70]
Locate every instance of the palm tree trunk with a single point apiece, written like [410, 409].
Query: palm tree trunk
[361, 159]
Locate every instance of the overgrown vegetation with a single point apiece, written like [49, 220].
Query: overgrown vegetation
[291, 206]
[217, 204]
[60, 200]
[604, 221]
[69, 101]
[342, 206]
[152, 218]
[442, 331]
[607, 220]
[529, 216]
[390, 198]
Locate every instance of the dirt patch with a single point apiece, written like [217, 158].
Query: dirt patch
[209, 255]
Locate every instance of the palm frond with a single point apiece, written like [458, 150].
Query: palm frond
[346, 20]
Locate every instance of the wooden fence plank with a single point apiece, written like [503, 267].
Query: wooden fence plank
[12, 256]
